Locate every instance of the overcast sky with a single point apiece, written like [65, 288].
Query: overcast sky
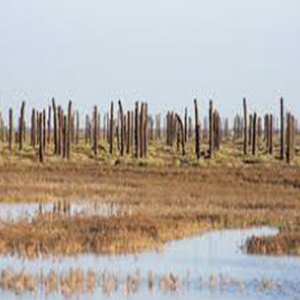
[165, 52]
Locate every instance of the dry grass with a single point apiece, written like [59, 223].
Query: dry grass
[168, 198]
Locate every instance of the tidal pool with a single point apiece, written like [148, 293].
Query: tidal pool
[210, 266]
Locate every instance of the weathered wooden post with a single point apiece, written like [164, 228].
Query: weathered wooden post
[69, 130]
[49, 125]
[254, 137]
[226, 128]
[216, 130]
[182, 133]
[267, 131]
[95, 139]
[60, 129]
[259, 134]
[250, 130]
[55, 135]
[141, 131]
[145, 129]
[293, 136]
[21, 126]
[185, 124]
[11, 131]
[86, 128]
[211, 129]
[190, 130]
[132, 129]
[118, 129]
[41, 138]
[77, 127]
[197, 131]
[128, 132]
[111, 129]
[136, 129]
[245, 127]
[122, 127]
[44, 130]
[65, 136]
[205, 129]
[33, 128]
[281, 129]
[288, 138]
[271, 134]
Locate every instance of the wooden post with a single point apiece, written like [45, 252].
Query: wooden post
[136, 129]
[95, 143]
[11, 131]
[132, 129]
[128, 132]
[41, 138]
[190, 131]
[111, 129]
[77, 127]
[281, 129]
[21, 126]
[141, 131]
[145, 129]
[60, 129]
[44, 130]
[271, 134]
[288, 138]
[185, 124]
[86, 128]
[259, 134]
[250, 130]
[33, 128]
[55, 127]
[254, 137]
[122, 127]
[65, 136]
[182, 131]
[211, 130]
[69, 130]
[49, 125]
[197, 131]
[245, 127]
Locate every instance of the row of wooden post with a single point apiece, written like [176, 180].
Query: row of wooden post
[132, 130]
[253, 132]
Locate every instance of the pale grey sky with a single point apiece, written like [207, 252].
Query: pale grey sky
[165, 52]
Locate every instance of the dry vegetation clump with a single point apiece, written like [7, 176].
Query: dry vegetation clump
[283, 243]
[52, 234]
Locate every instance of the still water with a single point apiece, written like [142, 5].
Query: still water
[210, 266]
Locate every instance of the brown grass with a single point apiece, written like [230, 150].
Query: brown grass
[165, 202]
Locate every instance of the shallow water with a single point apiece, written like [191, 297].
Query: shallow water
[211, 266]
[14, 212]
